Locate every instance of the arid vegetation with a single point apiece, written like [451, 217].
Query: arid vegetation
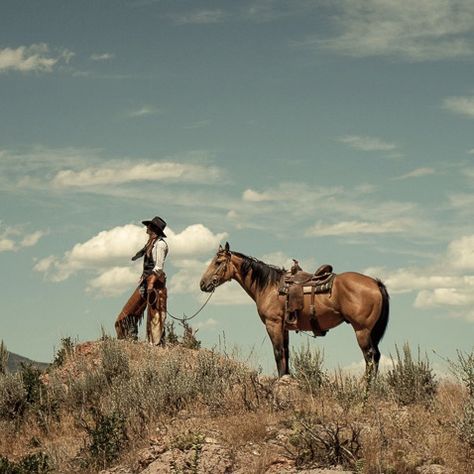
[184, 409]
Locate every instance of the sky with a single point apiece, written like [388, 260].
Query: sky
[335, 132]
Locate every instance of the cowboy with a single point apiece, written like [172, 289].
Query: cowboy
[151, 291]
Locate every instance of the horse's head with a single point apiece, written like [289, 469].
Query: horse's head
[219, 270]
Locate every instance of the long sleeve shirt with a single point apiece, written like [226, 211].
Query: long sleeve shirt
[159, 252]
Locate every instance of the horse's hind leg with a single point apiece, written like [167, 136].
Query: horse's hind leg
[371, 353]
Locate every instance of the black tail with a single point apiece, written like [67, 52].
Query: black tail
[379, 329]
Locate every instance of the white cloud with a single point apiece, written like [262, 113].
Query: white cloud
[444, 284]
[114, 281]
[103, 256]
[365, 143]
[209, 323]
[7, 244]
[123, 172]
[359, 227]
[461, 253]
[413, 31]
[254, 196]
[416, 173]
[34, 58]
[102, 56]
[460, 105]
[444, 297]
[10, 238]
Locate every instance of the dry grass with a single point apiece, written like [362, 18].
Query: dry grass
[115, 399]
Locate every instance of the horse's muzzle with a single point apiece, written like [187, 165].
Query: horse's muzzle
[206, 287]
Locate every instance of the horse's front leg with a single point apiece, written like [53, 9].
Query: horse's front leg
[277, 336]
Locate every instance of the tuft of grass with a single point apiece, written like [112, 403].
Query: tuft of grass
[114, 361]
[411, 380]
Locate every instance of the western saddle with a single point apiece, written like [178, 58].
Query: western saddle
[295, 284]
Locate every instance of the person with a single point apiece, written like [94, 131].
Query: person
[151, 292]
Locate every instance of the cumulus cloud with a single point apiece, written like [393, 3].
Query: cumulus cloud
[103, 256]
[365, 143]
[254, 196]
[460, 105]
[413, 31]
[125, 172]
[444, 284]
[461, 253]
[34, 58]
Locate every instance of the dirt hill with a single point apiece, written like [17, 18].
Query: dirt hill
[124, 407]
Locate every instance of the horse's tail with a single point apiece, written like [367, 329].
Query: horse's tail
[379, 329]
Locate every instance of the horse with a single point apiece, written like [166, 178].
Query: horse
[355, 298]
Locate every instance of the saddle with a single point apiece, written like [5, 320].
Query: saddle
[296, 283]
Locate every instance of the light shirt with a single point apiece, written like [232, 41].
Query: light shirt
[160, 251]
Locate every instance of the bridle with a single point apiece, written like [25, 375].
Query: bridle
[220, 271]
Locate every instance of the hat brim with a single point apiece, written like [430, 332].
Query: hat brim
[153, 226]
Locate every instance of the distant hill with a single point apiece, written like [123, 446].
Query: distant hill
[15, 360]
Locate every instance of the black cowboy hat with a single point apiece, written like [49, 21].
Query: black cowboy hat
[157, 224]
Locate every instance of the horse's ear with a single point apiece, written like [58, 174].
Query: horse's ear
[227, 246]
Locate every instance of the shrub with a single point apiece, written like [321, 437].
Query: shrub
[114, 361]
[34, 387]
[13, 397]
[37, 463]
[463, 368]
[107, 438]
[189, 337]
[411, 381]
[308, 368]
[465, 425]
[170, 333]
[65, 350]
[346, 389]
[327, 443]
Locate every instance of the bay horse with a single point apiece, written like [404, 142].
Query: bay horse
[355, 298]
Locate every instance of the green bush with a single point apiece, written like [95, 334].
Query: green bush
[308, 368]
[107, 438]
[410, 380]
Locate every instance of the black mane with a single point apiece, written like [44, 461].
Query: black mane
[263, 274]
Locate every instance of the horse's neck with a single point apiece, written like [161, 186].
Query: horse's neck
[245, 283]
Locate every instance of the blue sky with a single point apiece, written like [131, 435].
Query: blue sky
[329, 131]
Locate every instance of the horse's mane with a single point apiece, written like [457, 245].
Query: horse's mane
[263, 274]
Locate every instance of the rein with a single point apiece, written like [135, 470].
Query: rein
[187, 318]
